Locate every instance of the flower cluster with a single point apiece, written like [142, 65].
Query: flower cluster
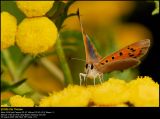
[34, 8]
[8, 30]
[114, 92]
[141, 92]
[111, 93]
[70, 97]
[35, 34]
[18, 101]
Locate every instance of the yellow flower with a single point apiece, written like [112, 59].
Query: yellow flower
[121, 105]
[113, 93]
[110, 93]
[8, 30]
[72, 96]
[34, 8]
[144, 92]
[18, 101]
[36, 35]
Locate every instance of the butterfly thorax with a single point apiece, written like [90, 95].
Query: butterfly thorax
[91, 71]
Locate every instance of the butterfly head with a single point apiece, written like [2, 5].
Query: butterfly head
[91, 70]
[89, 67]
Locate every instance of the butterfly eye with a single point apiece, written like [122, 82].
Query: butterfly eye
[92, 66]
[86, 66]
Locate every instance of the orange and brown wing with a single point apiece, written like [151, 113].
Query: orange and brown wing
[124, 58]
[92, 55]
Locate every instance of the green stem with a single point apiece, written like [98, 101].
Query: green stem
[3, 67]
[24, 65]
[64, 64]
[59, 49]
[52, 68]
[11, 67]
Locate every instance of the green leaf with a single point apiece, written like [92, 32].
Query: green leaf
[4, 85]
[18, 83]
[22, 89]
[127, 74]
[71, 15]
[5, 101]
[16, 55]
[69, 3]
[156, 10]
[48, 54]
[56, 10]
[11, 7]
[57, 13]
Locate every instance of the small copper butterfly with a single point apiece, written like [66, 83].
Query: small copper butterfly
[124, 58]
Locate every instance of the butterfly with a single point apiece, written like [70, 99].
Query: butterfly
[124, 58]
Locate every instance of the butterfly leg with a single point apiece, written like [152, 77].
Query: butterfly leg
[100, 78]
[80, 76]
[84, 77]
[94, 80]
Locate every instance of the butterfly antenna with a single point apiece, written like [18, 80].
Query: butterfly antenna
[77, 59]
[78, 13]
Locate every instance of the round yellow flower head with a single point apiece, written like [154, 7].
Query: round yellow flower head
[8, 30]
[121, 105]
[36, 35]
[34, 8]
[70, 97]
[110, 93]
[18, 101]
[144, 92]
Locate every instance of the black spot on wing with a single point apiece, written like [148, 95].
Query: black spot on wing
[132, 49]
[140, 51]
[120, 53]
[130, 54]
[113, 57]
[102, 63]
